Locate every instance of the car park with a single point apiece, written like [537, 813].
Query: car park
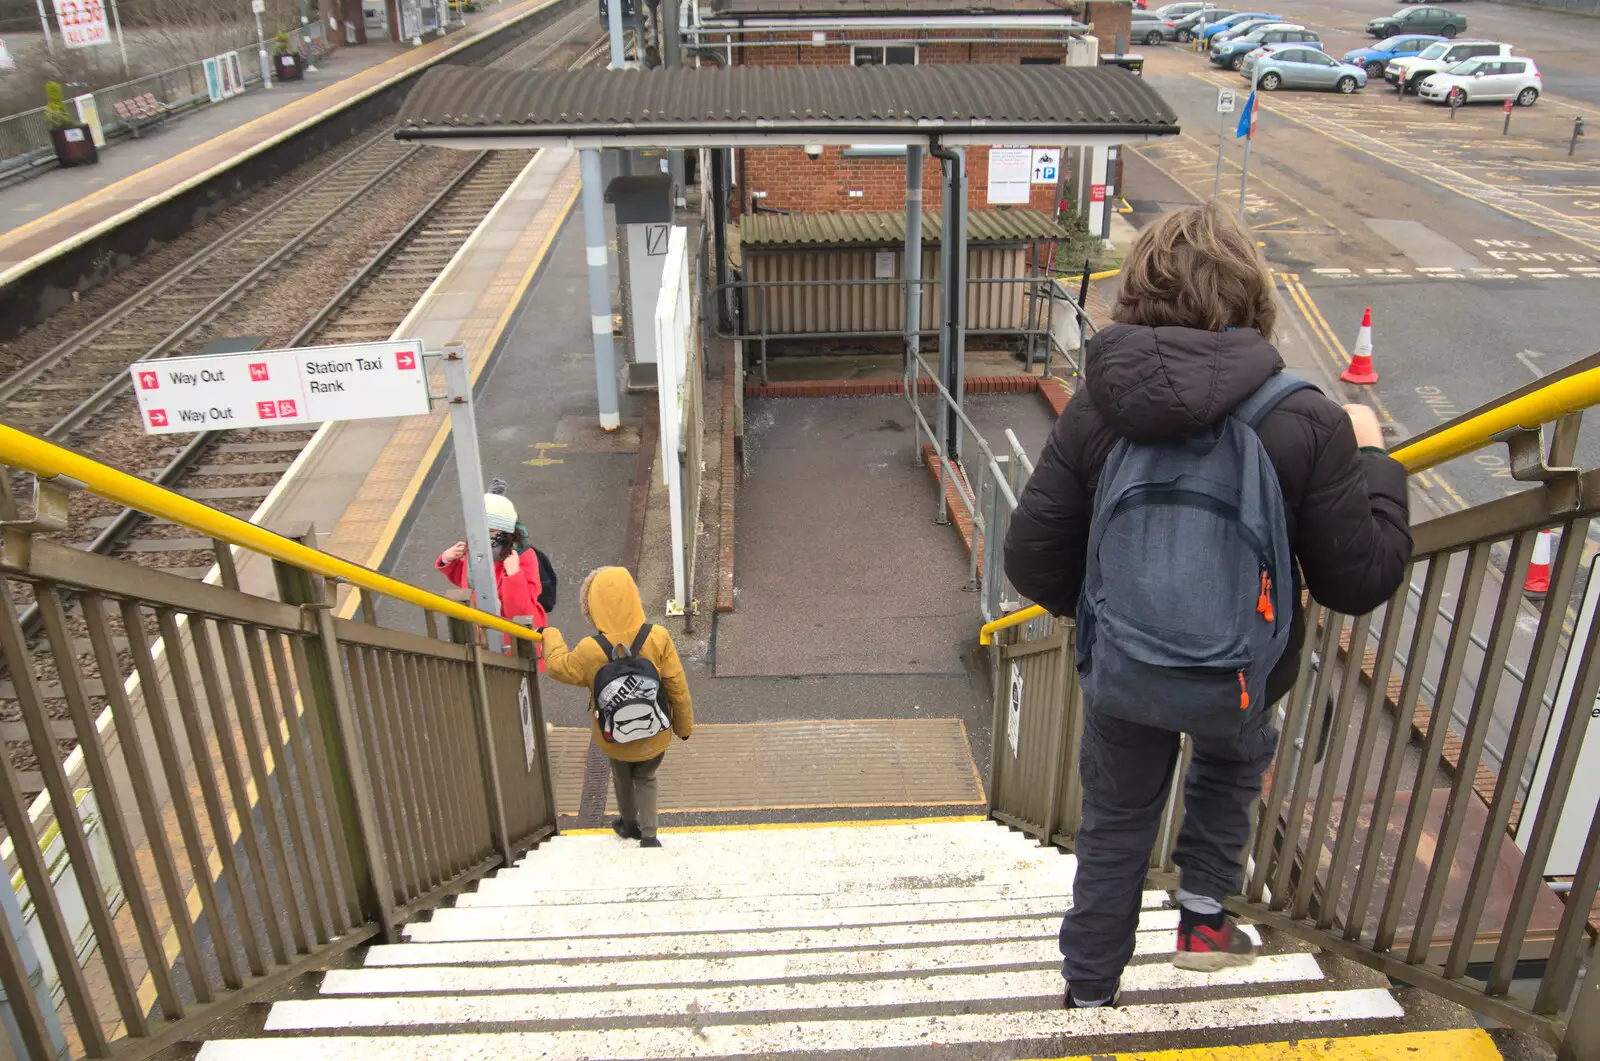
[1436, 58]
[1152, 29]
[1231, 53]
[1301, 66]
[1192, 24]
[1491, 78]
[1429, 18]
[1375, 60]
[1231, 21]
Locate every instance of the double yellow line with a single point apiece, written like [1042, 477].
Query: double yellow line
[1339, 358]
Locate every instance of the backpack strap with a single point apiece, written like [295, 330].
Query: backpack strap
[1277, 387]
[639, 639]
[605, 646]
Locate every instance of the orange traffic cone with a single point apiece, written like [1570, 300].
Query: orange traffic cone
[1360, 370]
[1537, 584]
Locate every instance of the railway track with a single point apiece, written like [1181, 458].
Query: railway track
[78, 394]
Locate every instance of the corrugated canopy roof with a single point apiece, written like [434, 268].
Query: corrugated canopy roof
[823, 8]
[778, 105]
[889, 229]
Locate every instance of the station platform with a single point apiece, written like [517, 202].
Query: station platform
[48, 216]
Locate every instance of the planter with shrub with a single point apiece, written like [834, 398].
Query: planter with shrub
[286, 64]
[72, 139]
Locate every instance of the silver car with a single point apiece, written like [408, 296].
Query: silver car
[1297, 66]
[1149, 28]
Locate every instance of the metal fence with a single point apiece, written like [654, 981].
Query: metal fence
[1041, 312]
[269, 786]
[1383, 834]
[25, 138]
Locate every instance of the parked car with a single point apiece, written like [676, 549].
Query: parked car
[1242, 29]
[1152, 29]
[1491, 78]
[1376, 58]
[1299, 66]
[1219, 26]
[1439, 57]
[1231, 53]
[1429, 18]
[1189, 26]
[1177, 11]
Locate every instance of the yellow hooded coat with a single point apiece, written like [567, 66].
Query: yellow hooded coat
[611, 601]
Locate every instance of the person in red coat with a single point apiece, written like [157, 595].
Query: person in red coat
[516, 563]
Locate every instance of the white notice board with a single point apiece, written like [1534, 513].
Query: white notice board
[215, 392]
[1010, 175]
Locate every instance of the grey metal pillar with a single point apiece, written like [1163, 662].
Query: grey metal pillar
[469, 469]
[672, 56]
[912, 270]
[953, 260]
[614, 26]
[594, 244]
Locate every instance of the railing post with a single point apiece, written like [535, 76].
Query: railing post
[352, 787]
[1582, 1038]
[530, 652]
[462, 633]
[997, 724]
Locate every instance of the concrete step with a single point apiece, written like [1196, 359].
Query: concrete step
[934, 939]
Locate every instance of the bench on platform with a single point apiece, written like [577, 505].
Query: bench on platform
[140, 111]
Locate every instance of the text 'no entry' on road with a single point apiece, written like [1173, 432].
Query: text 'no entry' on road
[219, 392]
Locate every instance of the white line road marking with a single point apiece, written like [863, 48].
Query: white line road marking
[722, 1040]
[706, 944]
[507, 923]
[1530, 359]
[754, 968]
[614, 1004]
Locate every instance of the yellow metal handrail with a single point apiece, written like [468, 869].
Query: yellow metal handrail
[1562, 396]
[46, 460]
[1552, 401]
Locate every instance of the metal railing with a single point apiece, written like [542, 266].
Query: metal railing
[272, 786]
[25, 138]
[1047, 317]
[1382, 835]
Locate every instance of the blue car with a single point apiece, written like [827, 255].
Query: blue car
[1375, 60]
[1233, 20]
[1231, 52]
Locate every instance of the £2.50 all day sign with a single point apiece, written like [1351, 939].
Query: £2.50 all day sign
[267, 388]
[83, 23]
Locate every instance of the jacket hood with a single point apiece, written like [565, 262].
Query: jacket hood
[611, 601]
[1164, 384]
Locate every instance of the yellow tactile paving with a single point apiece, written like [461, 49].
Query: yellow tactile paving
[1465, 1044]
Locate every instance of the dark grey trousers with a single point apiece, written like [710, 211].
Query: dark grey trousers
[1127, 772]
[636, 792]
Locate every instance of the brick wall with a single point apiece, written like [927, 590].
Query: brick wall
[792, 181]
[1110, 19]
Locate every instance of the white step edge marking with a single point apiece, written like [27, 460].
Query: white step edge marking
[751, 874]
[703, 944]
[757, 968]
[911, 989]
[787, 1037]
[506, 923]
[647, 903]
[492, 892]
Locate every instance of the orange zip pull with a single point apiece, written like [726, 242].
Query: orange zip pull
[1264, 601]
[1244, 694]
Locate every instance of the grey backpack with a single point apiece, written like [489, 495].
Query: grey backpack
[1187, 597]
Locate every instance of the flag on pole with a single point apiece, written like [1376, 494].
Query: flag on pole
[1247, 119]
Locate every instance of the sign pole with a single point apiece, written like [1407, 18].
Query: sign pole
[258, 6]
[44, 21]
[122, 43]
[1225, 104]
[469, 469]
[1244, 171]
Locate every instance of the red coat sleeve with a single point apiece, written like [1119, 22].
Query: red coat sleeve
[454, 570]
[519, 593]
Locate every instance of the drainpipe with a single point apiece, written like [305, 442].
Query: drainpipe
[953, 288]
[912, 269]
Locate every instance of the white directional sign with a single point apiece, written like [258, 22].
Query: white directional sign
[1226, 100]
[216, 392]
[1010, 173]
[1046, 164]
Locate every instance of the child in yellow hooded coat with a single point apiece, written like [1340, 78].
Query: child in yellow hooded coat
[610, 600]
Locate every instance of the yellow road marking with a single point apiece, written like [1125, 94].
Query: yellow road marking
[1465, 1044]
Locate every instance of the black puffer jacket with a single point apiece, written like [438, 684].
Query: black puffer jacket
[1347, 510]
